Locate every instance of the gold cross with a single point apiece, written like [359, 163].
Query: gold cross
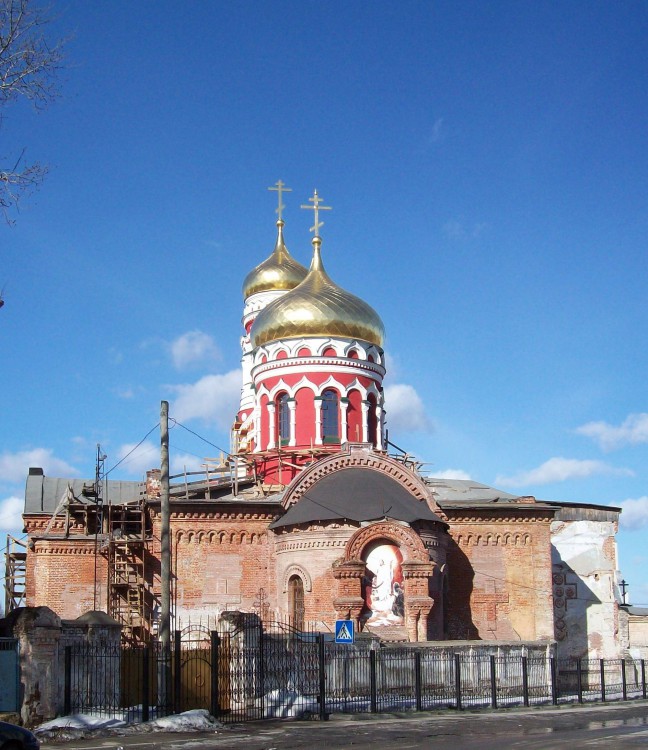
[316, 200]
[280, 188]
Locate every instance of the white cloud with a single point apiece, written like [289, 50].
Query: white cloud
[214, 399]
[635, 513]
[14, 466]
[11, 521]
[560, 469]
[450, 474]
[405, 409]
[392, 367]
[632, 431]
[192, 348]
[144, 457]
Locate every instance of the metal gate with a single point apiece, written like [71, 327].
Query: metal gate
[192, 672]
[10, 671]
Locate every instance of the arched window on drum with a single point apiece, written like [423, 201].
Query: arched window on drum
[330, 416]
[283, 419]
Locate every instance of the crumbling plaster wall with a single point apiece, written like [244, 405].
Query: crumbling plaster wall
[585, 575]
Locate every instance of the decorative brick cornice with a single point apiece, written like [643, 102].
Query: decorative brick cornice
[469, 516]
[294, 545]
[74, 547]
[220, 536]
[348, 569]
[504, 539]
[418, 569]
[214, 515]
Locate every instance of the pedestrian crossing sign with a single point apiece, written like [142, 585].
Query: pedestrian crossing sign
[344, 631]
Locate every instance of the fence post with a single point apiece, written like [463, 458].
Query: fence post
[146, 662]
[624, 679]
[603, 680]
[579, 679]
[457, 665]
[177, 671]
[525, 681]
[493, 682]
[373, 690]
[215, 700]
[643, 678]
[417, 680]
[67, 698]
[322, 677]
[554, 680]
[260, 685]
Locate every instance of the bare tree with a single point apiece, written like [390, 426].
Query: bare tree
[28, 67]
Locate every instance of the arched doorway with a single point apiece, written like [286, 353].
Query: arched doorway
[296, 601]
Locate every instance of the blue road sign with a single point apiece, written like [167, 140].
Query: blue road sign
[344, 631]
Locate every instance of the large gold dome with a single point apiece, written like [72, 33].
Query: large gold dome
[279, 272]
[318, 307]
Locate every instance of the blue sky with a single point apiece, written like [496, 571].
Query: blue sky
[486, 164]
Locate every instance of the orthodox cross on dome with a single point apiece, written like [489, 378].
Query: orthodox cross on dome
[280, 188]
[316, 200]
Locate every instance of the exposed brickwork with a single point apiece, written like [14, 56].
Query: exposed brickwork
[488, 576]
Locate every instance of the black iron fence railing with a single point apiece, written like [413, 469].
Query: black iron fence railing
[255, 675]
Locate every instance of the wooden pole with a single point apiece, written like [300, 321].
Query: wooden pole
[165, 545]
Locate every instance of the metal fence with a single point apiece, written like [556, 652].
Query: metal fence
[9, 669]
[256, 674]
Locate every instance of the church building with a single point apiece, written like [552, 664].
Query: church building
[316, 517]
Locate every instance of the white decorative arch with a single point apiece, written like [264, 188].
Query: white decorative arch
[330, 383]
[296, 570]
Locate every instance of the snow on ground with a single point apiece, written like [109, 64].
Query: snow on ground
[78, 726]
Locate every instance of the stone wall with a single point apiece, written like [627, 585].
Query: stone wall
[585, 582]
[43, 636]
[498, 578]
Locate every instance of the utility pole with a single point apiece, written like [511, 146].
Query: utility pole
[165, 551]
[165, 558]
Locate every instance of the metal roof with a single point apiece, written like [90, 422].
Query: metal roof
[357, 495]
[466, 491]
[43, 494]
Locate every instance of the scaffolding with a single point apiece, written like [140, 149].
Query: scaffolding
[15, 574]
[130, 598]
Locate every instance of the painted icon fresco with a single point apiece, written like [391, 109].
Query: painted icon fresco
[383, 590]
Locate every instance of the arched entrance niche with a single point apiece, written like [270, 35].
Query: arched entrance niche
[383, 589]
[393, 571]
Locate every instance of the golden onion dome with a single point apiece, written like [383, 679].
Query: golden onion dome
[318, 307]
[279, 272]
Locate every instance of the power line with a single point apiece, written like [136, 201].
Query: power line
[200, 437]
[132, 450]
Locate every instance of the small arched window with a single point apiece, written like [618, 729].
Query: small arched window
[296, 601]
[330, 416]
[283, 418]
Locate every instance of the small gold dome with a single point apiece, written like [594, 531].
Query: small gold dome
[318, 307]
[278, 272]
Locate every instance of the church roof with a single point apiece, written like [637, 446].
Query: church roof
[467, 492]
[279, 272]
[357, 495]
[318, 307]
[44, 494]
